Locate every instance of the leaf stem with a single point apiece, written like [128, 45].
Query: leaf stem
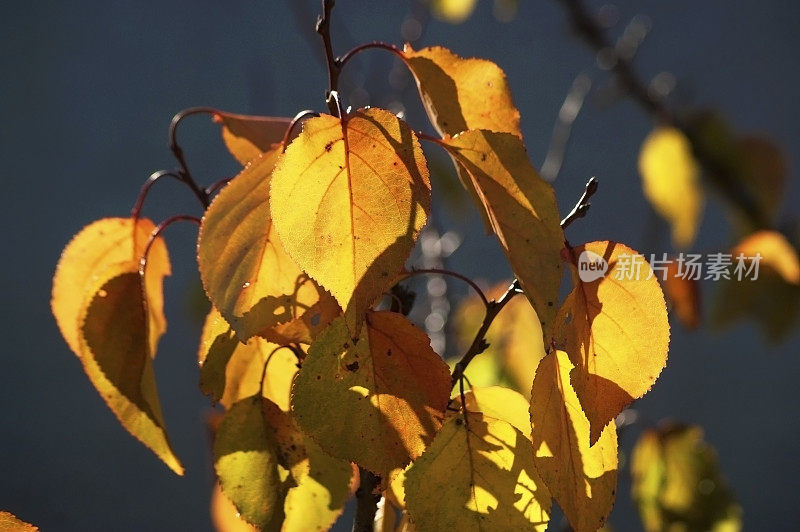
[582, 207]
[148, 184]
[343, 60]
[455, 275]
[296, 120]
[177, 151]
[334, 66]
[155, 233]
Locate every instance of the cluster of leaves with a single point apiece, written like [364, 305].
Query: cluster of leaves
[321, 384]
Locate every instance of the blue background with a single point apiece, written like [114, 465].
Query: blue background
[87, 91]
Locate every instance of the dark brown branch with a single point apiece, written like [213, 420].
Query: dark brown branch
[582, 207]
[455, 275]
[334, 66]
[177, 151]
[366, 501]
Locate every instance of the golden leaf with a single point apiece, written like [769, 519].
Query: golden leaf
[247, 137]
[582, 479]
[615, 330]
[478, 474]
[248, 276]
[9, 523]
[348, 200]
[390, 380]
[671, 181]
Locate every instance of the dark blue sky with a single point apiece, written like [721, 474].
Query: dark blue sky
[88, 90]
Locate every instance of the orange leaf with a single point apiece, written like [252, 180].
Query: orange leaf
[522, 212]
[9, 523]
[684, 294]
[614, 328]
[348, 199]
[247, 137]
[581, 478]
[461, 94]
[248, 276]
[378, 401]
[776, 253]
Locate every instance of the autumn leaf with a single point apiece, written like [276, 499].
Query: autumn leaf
[224, 515]
[582, 479]
[247, 137]
[498, 402]
[9, 523]
[478, 474]
[671, 181]
[677, 484]
[348, 200]
[231, 370]
[120, 328]
[96, 247]
[390, 380]
[683, 293]
[522, 211]
[615, 330]
[248, 276]
[461, 94]
[776, 254]
[514, 337]
[246, 462]
[320, 485]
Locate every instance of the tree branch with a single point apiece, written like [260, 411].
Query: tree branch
[366, 501]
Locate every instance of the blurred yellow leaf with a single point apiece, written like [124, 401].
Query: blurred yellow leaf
[225, 516]
[453, 11]
[231, 370]
[9, 523]
[614, 328]
[461, 94]
[776, 254]
[521, 209]
[671, 181]
[248, 276]
[515, 341]
[390, 380]
[478, 474]
[677, 484]
[247, 137]
[582, 479]
[349, 198]
[246, 462]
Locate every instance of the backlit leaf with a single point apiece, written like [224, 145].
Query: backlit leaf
[514, 337]
[776, 254]
[247, 137]
[231, 370]
[96, 247]
[453, 11]
[349, 198]
[461, 94]
[582, 479]
[477, 476]
[671, 181]
[522, 211]
[9, 523]
[248, 276]
[497, 402]
[614, 328]
[121, 326]
[225, 516]
[246, 462]
[390, 381]
[677, 484]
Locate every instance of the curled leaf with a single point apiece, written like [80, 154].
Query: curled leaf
[247, 137]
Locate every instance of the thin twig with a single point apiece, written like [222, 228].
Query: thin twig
[343, 60]
[582, 207]
[136, 211]
[296, 120]
[177, 151]
[455, 275]
[334, 66]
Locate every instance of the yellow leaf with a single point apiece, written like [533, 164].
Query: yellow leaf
[497, 402]
[614, 328]
[120, 328]
[582, 479]
[522, 211]
[776, 253]
[453, 11]
[477, 476]
[9, 523]
[461, 94]
[390, 380]
[671, 181]
[225, 516]
[99, 245]
[231, 370]
[515, 341]
[247, 137]
[246, 462]
[349, 198]
[248, 276]
[677, 484]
